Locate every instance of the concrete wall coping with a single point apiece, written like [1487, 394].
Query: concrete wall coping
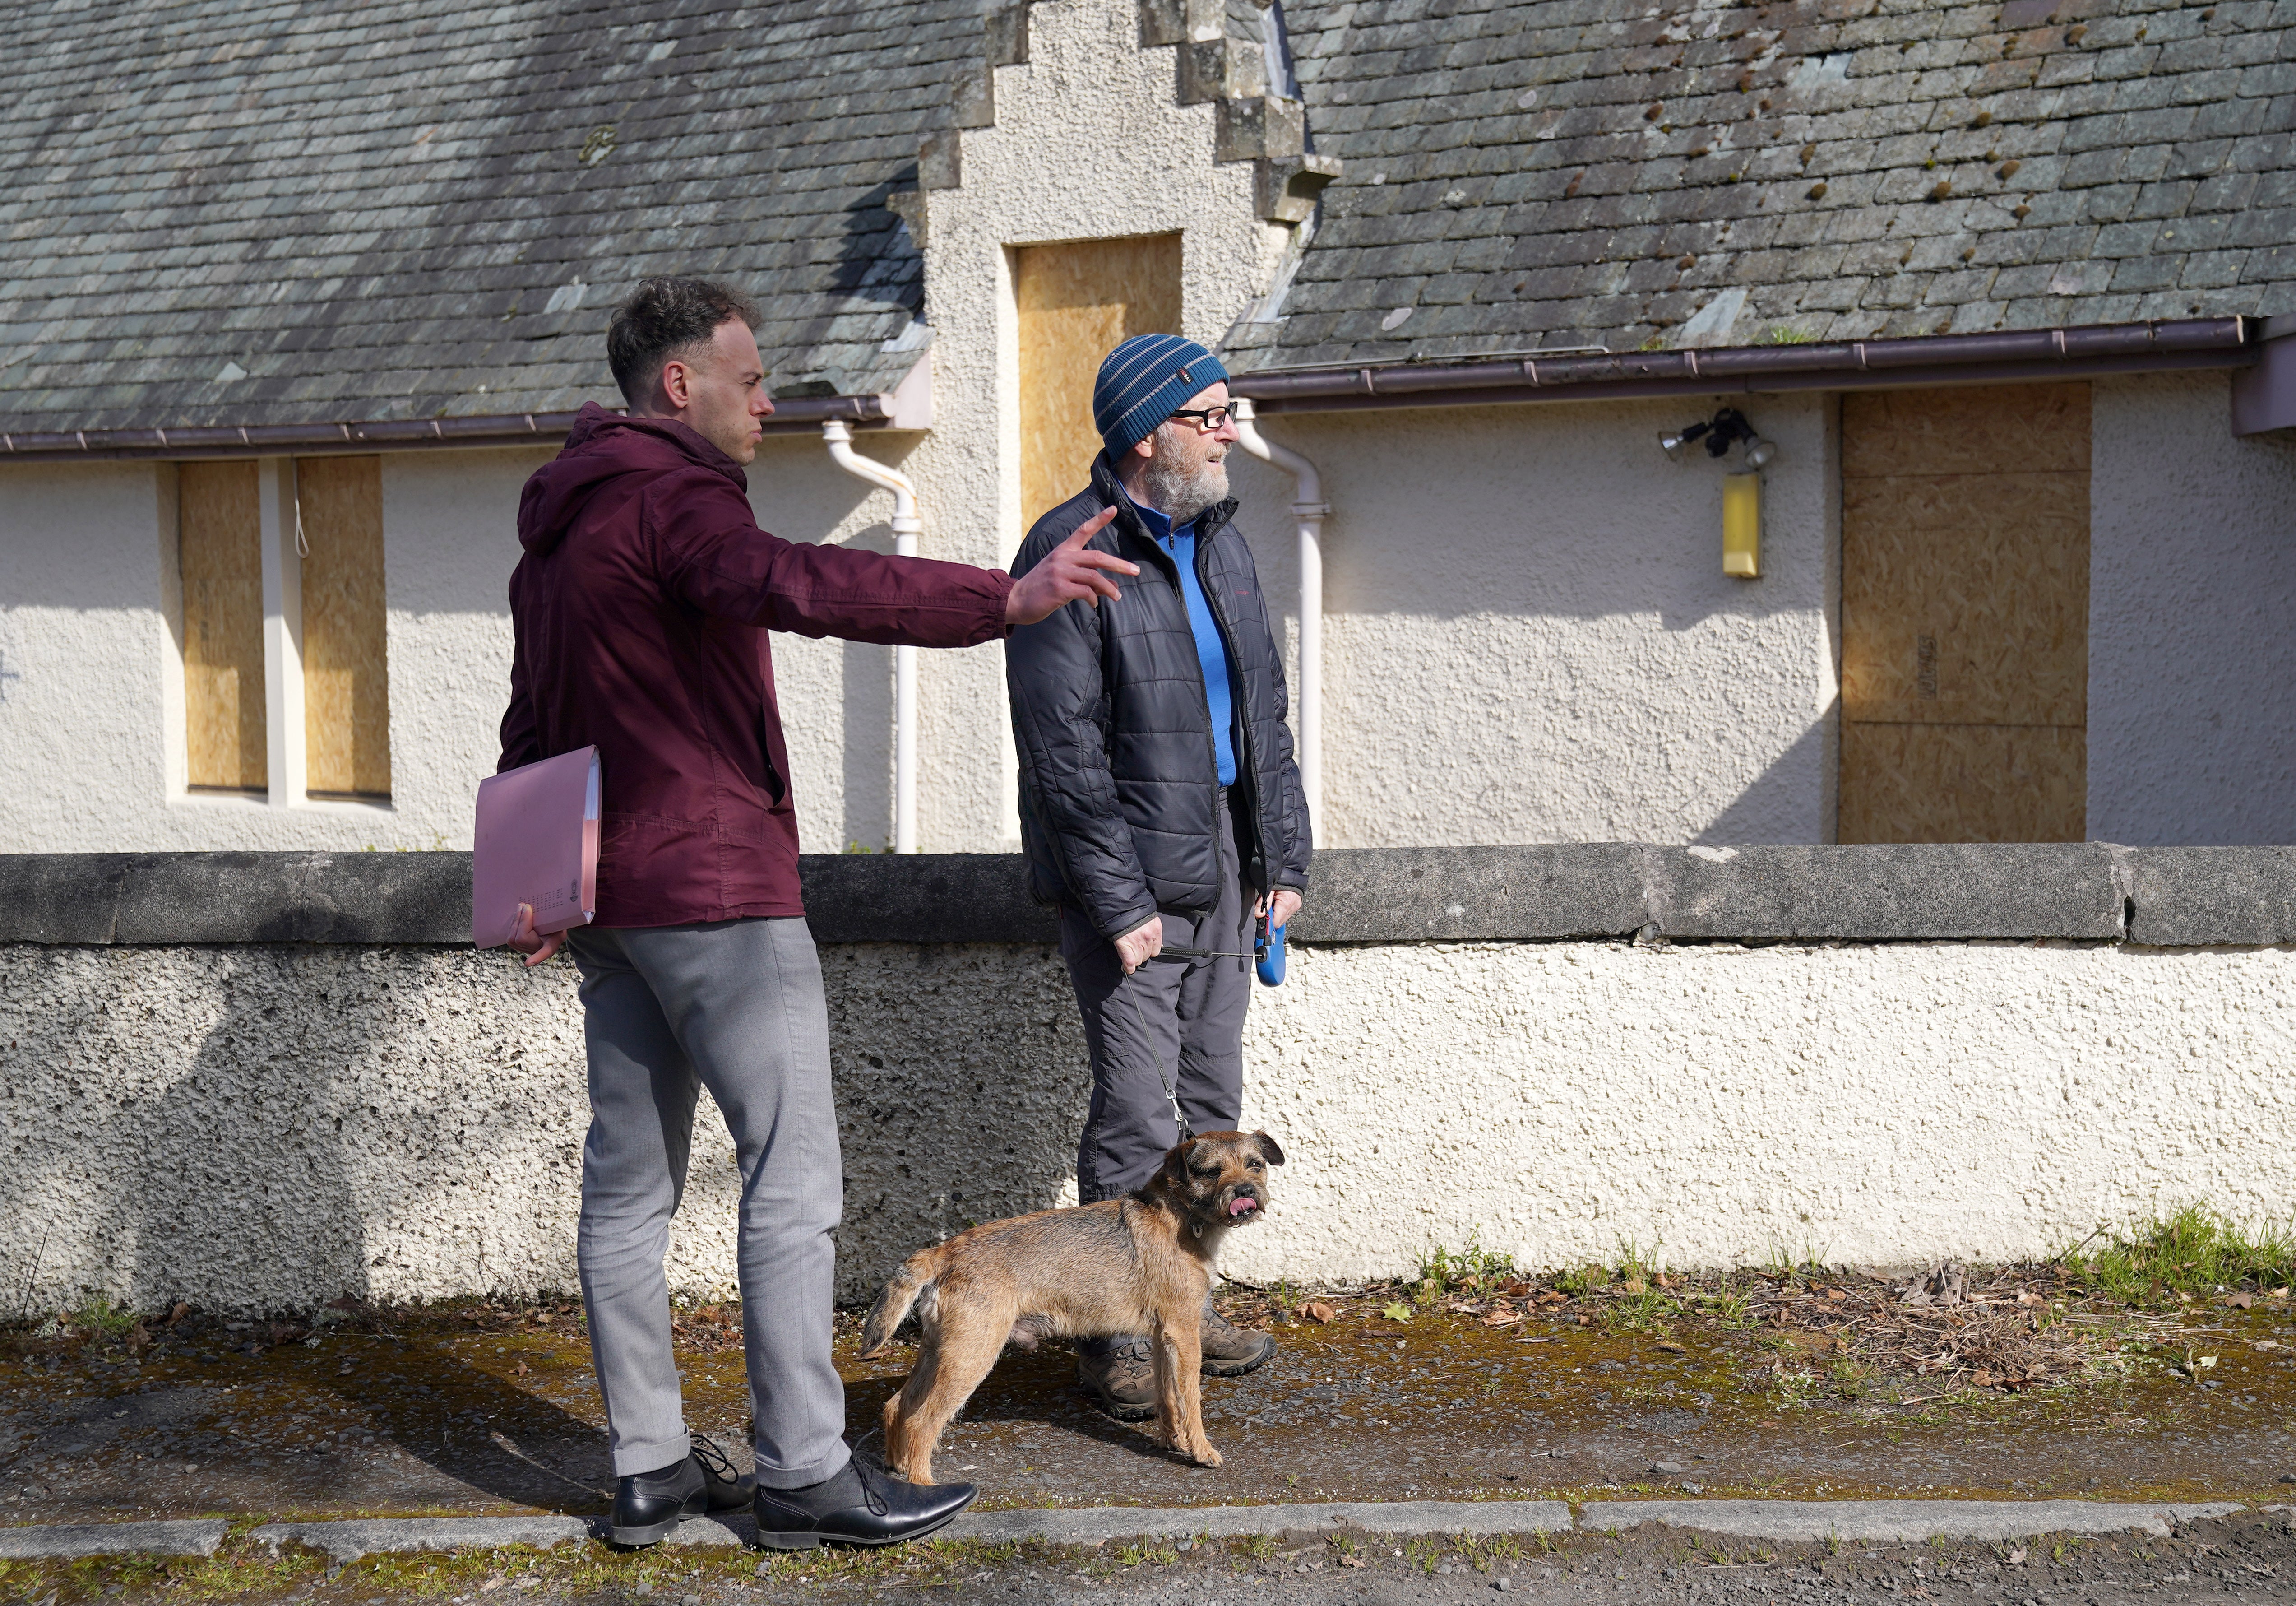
[2083, 892]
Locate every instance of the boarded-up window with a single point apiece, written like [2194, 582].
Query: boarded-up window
[219, 547]
[1964, 615]
[346, 677]
[1076, 300]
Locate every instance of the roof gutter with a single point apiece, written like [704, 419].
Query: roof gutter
[797, 415]
[2090, 350]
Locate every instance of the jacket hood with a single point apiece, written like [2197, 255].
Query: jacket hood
[605, 446]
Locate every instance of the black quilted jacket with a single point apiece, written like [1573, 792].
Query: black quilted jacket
[1119, 783]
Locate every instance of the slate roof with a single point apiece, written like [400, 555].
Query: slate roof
[372, 210]
[1594, 172]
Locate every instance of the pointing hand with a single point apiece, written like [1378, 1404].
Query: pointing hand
[1067, 573]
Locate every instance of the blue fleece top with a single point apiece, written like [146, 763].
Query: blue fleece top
[1211, 651]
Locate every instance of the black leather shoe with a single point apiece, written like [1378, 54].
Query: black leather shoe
[861, 1506]
[729, 1487]
[648, 1506]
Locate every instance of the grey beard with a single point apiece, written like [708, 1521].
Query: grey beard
[1179, 493]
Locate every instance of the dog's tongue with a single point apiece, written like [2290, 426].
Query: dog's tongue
[1238, 1206]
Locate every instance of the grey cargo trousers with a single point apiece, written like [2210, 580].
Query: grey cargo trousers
[1184, 1017]
[736, 1007]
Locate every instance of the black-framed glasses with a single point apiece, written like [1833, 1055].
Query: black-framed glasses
[1207, 420]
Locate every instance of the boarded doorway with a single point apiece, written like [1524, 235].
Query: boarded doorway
[1964, 615]
[1076, 300]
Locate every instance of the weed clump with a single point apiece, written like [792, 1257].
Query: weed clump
[2191, 1254]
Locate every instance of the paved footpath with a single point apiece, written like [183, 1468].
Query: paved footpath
[498, 1413]
[1448, 1462]
[1727, 1552]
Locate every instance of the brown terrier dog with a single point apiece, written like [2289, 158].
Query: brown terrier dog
[1138, 1264]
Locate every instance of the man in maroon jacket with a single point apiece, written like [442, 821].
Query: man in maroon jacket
[642, 606]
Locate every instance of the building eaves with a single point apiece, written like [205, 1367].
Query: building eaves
[2078, 352]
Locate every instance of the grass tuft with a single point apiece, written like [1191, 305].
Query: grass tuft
[2192, 1252]
[1470, 1270]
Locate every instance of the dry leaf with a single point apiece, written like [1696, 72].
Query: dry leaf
[1635, 1285]
[2017, 1557]
[1674, 1348]
[2242, 1301]
[1351, 1561]
[1502, 1318]
[1315, 1310]
[520, 1369]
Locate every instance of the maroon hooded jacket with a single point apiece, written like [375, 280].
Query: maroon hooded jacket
[642, 606]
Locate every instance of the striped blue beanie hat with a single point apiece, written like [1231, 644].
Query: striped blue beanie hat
[1142, 381]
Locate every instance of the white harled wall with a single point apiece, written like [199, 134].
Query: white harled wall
[2192, 657]
[1528, 636]
[265, 1127]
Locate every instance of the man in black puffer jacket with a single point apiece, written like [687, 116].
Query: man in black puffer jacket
[1160, 804]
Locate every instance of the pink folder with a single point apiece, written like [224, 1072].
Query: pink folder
[537, 842]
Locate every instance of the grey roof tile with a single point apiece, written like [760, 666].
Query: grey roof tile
[213, 151]
[2153, 152]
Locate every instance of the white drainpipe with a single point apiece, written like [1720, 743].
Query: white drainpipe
[839, 434]
[1310, 508]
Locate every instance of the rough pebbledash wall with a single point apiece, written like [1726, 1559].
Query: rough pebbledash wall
[1873, 1055]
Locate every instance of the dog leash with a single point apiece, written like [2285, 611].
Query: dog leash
[1171, 1093]
[1180, 951]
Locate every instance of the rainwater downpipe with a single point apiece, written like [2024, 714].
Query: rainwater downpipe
[906, 526]
[1309, 509]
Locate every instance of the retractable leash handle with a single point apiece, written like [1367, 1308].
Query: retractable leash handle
[1268, 950]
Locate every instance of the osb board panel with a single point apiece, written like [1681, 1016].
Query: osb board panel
[1076, 300]
[1981, 429]
[1964, 782]
[219, 551]
[345, 677]
[1965, 598]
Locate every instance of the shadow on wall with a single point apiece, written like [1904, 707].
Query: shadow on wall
[260, 1130]
[233, 1176]
[1781, 805]
[962, 1086]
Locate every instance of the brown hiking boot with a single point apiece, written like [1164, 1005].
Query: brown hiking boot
[1121, 1375]
[1230, 1351]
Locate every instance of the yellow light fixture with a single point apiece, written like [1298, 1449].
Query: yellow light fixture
[1742, 525]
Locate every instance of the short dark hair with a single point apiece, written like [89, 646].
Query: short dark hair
[662, 318]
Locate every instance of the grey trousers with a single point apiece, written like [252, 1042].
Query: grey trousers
[736, 1007]
[1186, 1016]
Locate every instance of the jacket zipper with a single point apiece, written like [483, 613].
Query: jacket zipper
[1203, 691]
[1247, 768]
